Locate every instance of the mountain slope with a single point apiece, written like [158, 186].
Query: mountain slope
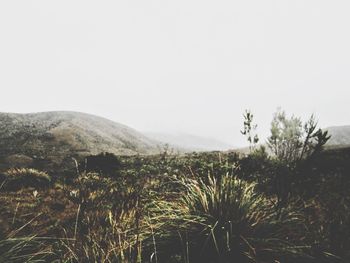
[340, 135]
[55, 136]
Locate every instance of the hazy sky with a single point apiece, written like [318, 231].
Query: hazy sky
[183, 65]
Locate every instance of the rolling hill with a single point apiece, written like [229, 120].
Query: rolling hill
[53, 137]
[340, 136]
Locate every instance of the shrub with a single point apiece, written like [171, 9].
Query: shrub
[18, 178]
[292, 141]
[105, 163]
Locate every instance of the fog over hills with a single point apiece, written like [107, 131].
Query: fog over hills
[189, 142]
[340, 135]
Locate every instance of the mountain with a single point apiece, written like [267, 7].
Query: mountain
[58, 136]
[188, 142]
[340, 136]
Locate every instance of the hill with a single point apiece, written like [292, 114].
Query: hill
[57, 136]
[340, 136]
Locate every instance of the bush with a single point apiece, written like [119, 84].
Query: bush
[104, 163]
[18, 178]
[292, 141]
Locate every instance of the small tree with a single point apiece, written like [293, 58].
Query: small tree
[291, 140]
[249, 130]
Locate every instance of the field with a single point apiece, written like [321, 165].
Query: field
[200, 207]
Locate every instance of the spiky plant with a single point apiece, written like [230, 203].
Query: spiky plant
[225, 220]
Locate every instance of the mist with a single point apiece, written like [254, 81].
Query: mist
[177, 66]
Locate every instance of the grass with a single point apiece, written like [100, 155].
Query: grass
[17, 248]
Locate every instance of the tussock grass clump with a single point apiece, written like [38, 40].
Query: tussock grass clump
[224, 220]
[18, 178]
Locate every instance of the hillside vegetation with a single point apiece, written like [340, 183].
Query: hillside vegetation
[50, 138]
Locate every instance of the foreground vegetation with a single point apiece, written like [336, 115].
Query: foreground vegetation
[209, 207]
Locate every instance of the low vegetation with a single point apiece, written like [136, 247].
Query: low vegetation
[19, 178]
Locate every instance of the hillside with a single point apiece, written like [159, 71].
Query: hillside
[55, 136]
[340, 136]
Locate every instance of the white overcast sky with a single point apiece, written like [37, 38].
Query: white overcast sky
[188, 66]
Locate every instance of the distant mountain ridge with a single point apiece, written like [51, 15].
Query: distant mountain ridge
[340, 135]
[189, 142]
[58, 135]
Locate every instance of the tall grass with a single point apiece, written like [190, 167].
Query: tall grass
[108, 225]
[25, 249]
[217, 220]
[17, 248]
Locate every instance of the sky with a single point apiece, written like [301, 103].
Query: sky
[190, 66]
